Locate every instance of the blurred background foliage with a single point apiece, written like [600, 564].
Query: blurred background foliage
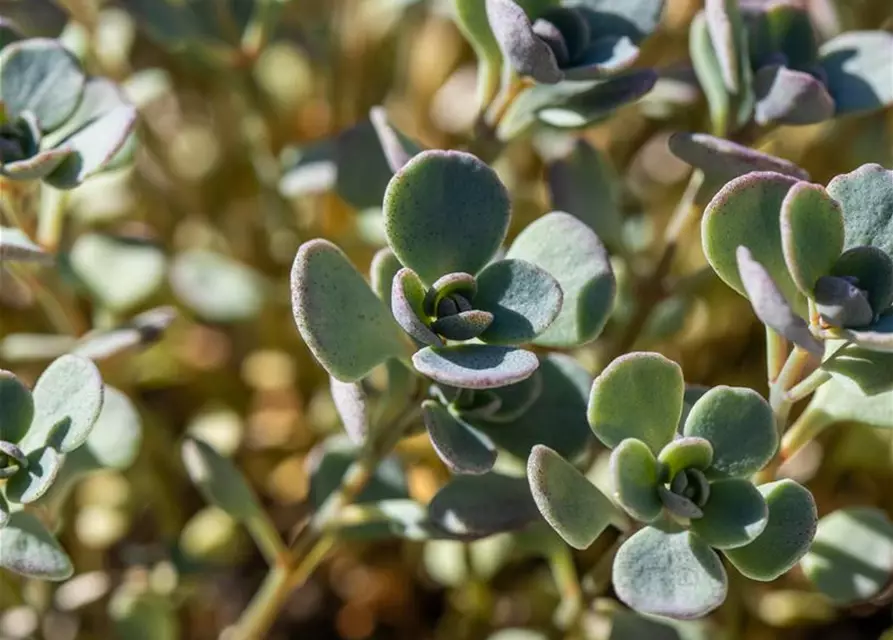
[205, 221]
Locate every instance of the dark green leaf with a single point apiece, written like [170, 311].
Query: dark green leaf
[735, 514]
[465, 505]
[461, 447]
[30, 550]
[18, 408]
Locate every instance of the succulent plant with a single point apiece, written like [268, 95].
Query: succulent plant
[39, 429]
[815, 262]
[762, 60]
[57, 125]
[680, 466]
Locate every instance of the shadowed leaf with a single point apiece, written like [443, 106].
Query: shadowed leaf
[734, 515]
[464, 506]
[461, 447]
[30, 550]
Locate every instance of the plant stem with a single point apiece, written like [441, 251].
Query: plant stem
[314, 542]
[267, 539]
[807, 427]
[561, 561]
[809, 385]
[776, 354]
[791, 373]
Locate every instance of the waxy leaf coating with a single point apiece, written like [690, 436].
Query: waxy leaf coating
[851, 557]
[770, 306]
[30, 484]
[350, 402]
[787, 536]
[572, 505]
[459, 445]
[445, 211]
[475, 366]
[346, 327]
[725, 160]
[740, 426]
[866, 201]
[857, 66]
[407, 305]
[669, 573]
[787, 96]
[812, 234]
[733, 516]
[746, 213]
[686, 453]
[29, 549]
[465, 505]
[635, 475]
[523, 298]
[570, 251]
[67, 401]
[638, 395]
[17, 408]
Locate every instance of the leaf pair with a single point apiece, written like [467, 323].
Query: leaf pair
[691, 488]
[781, 242]
[60, 126]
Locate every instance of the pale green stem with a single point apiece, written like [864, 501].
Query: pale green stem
[809, 385]
[262, 24]
[807, 427]
[267, 538]
[561, 561]
[51, 216]
[776, 354]
[791, 374]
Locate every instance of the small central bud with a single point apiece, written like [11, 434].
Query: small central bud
[11, 459]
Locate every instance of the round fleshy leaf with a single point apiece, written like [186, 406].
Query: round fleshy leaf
[770, 306]
[635, 475]
[734, 515]
[217, 287]
[475, 366]
[638, 395]
[67, 401]
[18, 408]
[29, 549]
[851, 557]
[461, 447]
[724, 160]
[516, 399]
[219, 481]
[114, 441]
[528, 54]
[523, 298]
[812, 234]
[29, 485]
[746, 212]
[94, 147]
[382, 270]
[871, 371]
[686, 453]
[873, 270]
[347, 328]
[41, 76]
[740, 426]
[572, 505]
[840, 401]
[407, 302]
[350, 403]
[463, 284]
[585, 185]
[464, 325]
[569, 250]
[556, 419]
[840, 303]
[465, 505]
[445, 211]
[786, 96]
[120, 272]
[15, 246]
[669, 573]
[857, 65]
[866, 200]
[787, 536]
